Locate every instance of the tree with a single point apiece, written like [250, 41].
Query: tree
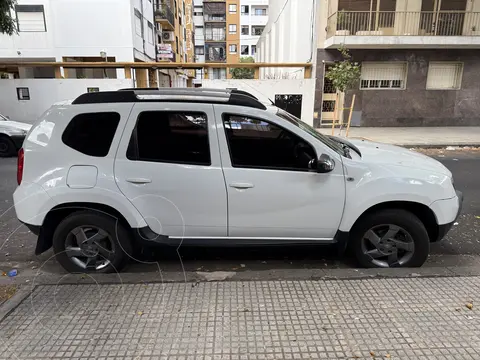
[7, 22]
[344, 74]
[244, 73]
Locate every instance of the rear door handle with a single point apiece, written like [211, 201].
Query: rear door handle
[139, 181]
[237, 185]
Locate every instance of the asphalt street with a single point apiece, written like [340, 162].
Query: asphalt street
[460, 247]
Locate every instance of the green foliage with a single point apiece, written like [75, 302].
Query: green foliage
[244, 73]
[7, 22]
[344, 74]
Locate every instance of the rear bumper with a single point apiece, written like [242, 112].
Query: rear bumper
[445, 228]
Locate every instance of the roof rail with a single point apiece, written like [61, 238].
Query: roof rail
[199, 95]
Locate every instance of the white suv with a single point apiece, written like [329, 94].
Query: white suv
[115, 169]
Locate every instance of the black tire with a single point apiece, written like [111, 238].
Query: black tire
[109, 224]
[396, 217]
[7, 147]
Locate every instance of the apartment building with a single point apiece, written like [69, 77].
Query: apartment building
[225, 30]
[175, 39]
[103, 30]
[419, 58]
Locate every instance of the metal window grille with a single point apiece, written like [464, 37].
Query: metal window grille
[383, 75]
[444, 75]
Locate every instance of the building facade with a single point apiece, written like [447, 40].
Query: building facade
[419, 61]
[289, 37]
[70, 31]
[225, 30]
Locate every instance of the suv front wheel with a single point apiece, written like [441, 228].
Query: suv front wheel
[390, 238]
[88, 241]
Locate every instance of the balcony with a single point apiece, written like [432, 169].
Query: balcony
[215, 17]
[215, 52]
[377, 29]
[164, 15]
[215, 37]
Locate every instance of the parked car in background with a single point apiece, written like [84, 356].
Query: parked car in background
[12, 134]
[112, 170]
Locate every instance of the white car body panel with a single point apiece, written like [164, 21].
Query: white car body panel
[281, 203]
[180, 199]
[48, 160]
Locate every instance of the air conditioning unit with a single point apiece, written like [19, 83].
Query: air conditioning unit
[168, 36]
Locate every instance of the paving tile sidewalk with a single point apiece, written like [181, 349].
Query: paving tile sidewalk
[414, 318]
[417, 136]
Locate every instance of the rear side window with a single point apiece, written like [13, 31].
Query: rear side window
[92, 133]
[170, 137]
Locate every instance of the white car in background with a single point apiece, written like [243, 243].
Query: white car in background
[12, 134]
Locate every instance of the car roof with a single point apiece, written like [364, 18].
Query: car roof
[198, 95]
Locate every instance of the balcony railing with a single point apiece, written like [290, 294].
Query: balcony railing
[164, 12]
[215, 17]
[404, 23]
[215, 37]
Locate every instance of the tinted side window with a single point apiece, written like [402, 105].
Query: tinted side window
[259, 144]
[172, 137]
[92, 133]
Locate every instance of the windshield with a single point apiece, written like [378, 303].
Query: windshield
[309, 129]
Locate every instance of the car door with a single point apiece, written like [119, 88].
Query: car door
[271, 191]
[168, 165]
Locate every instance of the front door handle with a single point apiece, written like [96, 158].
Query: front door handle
[139, 181]
[237, 185]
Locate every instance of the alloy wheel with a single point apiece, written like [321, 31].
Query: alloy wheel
[388, 245]
[89, 247]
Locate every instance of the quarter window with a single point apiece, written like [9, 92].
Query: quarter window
[92, 133]
[255, 143]
[171, 137]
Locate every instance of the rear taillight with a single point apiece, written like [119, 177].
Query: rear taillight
[20, 161]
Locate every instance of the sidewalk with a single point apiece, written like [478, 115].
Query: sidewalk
[403, 318]
[416, 136]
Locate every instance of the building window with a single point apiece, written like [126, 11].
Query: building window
[199, 50]
[244, 50]
[30, 18]
[198, 13]
[245, 9]
[257, 30]
[260, 12]
[444, 75]
[217, 73]
[171, 137]
[232, 8]
[383, 75]
[232, 28]
[232, 48]
[245, 30]
[176, 44]
[138, 23]
[150, 32]
[254, 49]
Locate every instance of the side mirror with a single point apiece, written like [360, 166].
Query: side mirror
[323, 165]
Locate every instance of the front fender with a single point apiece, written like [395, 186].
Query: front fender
[370, 186]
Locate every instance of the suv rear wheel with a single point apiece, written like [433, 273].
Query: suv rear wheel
[7, 147]
[88, 241]
[390, 238]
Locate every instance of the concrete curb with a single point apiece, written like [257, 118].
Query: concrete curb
[247, 275]
[8, 306]
[423, 146]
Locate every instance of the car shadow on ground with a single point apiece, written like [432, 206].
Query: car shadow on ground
[196, 258]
